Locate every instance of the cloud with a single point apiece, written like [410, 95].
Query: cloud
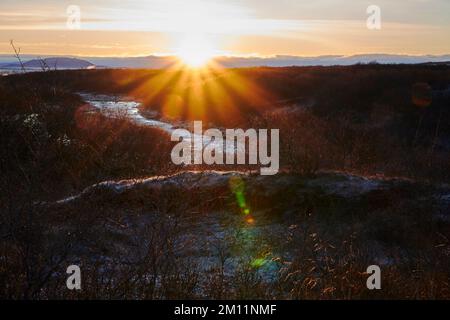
[247, 26]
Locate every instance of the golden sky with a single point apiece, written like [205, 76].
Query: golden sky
[230, 27]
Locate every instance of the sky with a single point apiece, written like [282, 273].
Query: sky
[228, 27]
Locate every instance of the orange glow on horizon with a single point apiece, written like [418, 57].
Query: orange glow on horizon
[195, 50]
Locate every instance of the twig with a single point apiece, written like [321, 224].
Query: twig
[17, 55]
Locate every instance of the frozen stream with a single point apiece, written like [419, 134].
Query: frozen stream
[113, 107]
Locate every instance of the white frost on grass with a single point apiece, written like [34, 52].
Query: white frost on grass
[347, 185]
[186, 179]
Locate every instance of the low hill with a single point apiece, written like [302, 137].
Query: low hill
[58, 63]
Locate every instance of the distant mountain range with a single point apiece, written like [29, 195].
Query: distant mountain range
[54, 63]
[276, 61]
[283, 61]
[158, 62]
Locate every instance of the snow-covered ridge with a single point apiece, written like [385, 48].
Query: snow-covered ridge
[339, 184]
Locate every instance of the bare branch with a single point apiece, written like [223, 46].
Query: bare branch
[17, 55]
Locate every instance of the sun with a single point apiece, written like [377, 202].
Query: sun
[195, 50]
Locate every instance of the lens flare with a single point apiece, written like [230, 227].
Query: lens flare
[250, 220]
[237, 186]
[422, 95]
[258, 263]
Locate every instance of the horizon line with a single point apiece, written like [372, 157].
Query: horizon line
[244, 56]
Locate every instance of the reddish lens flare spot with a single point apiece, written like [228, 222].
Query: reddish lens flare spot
[250, 220]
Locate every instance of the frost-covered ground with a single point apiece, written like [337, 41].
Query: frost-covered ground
[212, 226]
[225, 222]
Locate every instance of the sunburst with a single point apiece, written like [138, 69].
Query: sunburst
[196, 50]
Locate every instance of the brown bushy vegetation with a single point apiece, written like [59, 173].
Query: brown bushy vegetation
[51, 139]
[341, 118]
[370, 119]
